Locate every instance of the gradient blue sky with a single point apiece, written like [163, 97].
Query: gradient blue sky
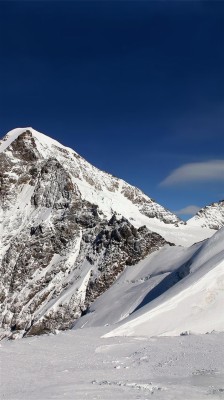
[137, 88]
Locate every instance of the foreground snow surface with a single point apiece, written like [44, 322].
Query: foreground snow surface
[81, 365]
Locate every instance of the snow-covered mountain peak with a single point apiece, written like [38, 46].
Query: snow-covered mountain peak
[59, 247]
[39, 137]
[211, 216]
[25, 152]
[12, 135]
[110, 194]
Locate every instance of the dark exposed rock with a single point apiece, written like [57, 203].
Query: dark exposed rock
[24, 147]
[116, 246]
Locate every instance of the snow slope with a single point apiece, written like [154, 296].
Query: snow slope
[134, 284]
[194, 304]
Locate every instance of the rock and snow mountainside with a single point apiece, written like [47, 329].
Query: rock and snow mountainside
[211, 216]
[24, 148]
[67, 231]
[183, 295]
[61, 243]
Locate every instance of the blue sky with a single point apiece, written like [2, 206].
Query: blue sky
[137, 88]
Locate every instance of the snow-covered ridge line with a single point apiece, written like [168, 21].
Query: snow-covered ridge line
[108, 192]
[14, 133]
[211, 216]
[111, 194]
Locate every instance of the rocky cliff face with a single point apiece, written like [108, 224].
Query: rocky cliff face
[64, 240]
[211, 216]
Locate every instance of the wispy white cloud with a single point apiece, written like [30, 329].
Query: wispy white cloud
[189, 210]
[207, 171]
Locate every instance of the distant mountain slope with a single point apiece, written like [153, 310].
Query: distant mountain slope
[188, 300]
[211, 216]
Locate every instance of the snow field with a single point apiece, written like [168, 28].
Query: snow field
[80, 365]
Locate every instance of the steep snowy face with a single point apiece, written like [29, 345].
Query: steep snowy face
[61, 243]
[211, 216]
[189, 299]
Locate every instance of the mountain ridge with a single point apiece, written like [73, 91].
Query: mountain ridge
[210, 216]
[125, 197]
[43, 145]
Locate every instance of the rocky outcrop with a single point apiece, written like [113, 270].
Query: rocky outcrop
[119, 244]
